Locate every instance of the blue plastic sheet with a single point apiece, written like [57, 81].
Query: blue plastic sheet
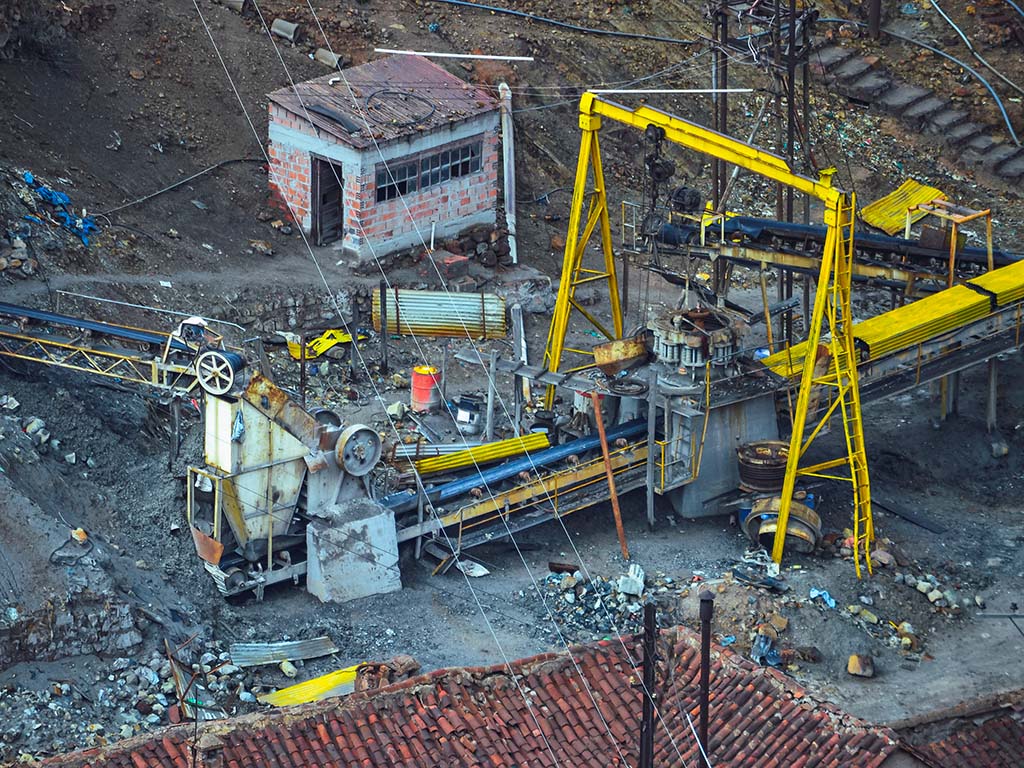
[81, 226]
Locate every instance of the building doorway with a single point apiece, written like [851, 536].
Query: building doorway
[328, 202]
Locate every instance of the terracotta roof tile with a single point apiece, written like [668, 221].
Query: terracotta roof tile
[997, 742]
[477, 717]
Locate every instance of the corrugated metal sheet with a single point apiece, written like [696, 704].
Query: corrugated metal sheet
[398, 96]
[254, 654]
[911, 324]
[889, 213]
[437, 313]
[1006, 283]
[484, 454]
[337, 683]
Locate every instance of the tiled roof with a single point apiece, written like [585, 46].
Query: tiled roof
[395, 96]
[995, 743]
[477, 717]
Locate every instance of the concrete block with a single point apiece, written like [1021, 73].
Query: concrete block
[868, 86]
[354, 554]
[902, 97]
[920, 112]
[999, 155]
[981, 144]
[852, 69]
[1012, 169]
[946, 120]
[829, 57]
[962, 133]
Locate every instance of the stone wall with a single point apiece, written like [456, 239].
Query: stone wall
[87, 622]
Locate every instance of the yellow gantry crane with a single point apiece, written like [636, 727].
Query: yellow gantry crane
[833, 369]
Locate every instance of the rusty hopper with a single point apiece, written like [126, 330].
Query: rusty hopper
[615, 356]
[273, 470]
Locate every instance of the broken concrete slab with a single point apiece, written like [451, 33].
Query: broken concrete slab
[830, 57]
[851, 70]
[903, 97]
[920, 112]
[868, 86]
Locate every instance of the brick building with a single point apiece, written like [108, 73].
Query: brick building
[380, 156]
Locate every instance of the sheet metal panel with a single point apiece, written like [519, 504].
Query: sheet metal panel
[437, 313]
[397, 96]
[889, 213]
[337, 683]
[1005, 284]
[255, 654]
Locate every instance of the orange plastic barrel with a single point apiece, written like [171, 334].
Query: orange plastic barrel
[426, 390]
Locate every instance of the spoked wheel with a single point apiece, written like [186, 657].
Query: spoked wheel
[215, 373]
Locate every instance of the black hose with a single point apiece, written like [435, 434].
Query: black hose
[566, 24]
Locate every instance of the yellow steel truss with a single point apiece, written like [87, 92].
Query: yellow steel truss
[115, 364]
[832, 314]
[574, 273]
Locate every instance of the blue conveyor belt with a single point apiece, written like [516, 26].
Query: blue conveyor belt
[477, 479]
[132, 334]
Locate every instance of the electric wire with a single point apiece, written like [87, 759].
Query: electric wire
[565, 24]
[499, 398]
[356, 102]
[974, 51]
[380, 398]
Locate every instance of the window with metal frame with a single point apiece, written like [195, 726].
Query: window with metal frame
[450, 164]
[401, 180]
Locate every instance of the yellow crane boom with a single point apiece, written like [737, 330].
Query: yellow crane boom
[831, 314]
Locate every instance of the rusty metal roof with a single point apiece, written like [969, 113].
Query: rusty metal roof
[397, 96]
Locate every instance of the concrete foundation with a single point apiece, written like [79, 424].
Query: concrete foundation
[353, 555]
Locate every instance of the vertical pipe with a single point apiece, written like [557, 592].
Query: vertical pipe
[612, 492]
[492, 370]
[650, 657]
[508, 156]
[652, 417]
[707, 610]
[383, 327]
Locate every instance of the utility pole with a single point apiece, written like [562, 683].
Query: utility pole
[650, 657]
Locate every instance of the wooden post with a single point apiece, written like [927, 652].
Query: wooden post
[596, 399]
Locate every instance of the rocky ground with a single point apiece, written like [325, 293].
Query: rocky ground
[109, 105]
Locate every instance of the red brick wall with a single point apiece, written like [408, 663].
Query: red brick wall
[446, 202]
[386, 225]
[290, 170]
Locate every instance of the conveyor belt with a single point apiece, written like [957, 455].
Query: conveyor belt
[95, 326]
[929, 318]
[760, 230]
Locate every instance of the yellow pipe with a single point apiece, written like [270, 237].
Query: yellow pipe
[482, 454]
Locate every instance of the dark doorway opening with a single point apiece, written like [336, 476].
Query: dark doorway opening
[328, 205]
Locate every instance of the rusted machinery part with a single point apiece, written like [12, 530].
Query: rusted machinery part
[762, 464]
[358, 450]
[215, 371]
[628, 387]
[803, 531]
